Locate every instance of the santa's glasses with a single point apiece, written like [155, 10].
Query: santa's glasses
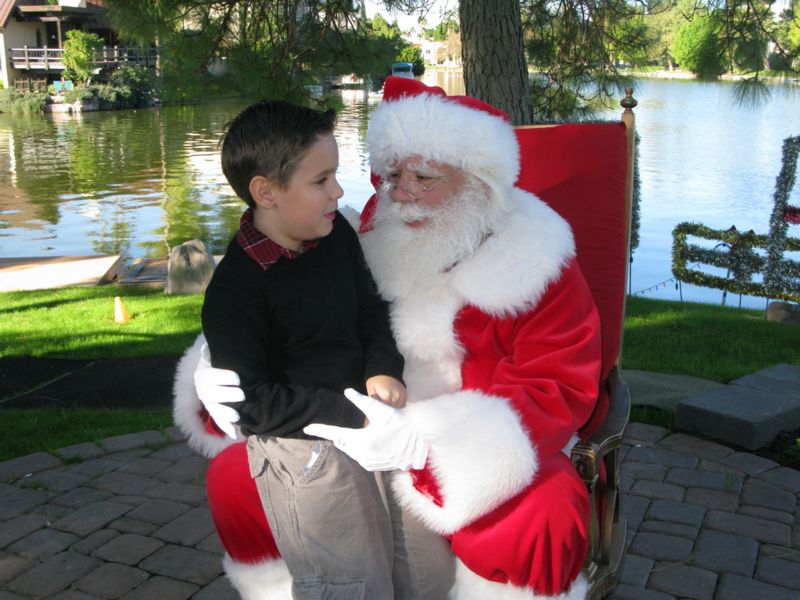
[418, 188]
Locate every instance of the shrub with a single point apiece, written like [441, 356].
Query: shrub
[12, 101]
[82, 93]
[80, 50]
[136, 84]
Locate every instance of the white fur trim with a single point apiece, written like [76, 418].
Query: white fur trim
[186, 406]
[351, 215]
[470, 586]
[445, 131]
[512, 268]
[269, 580]
[480, 454]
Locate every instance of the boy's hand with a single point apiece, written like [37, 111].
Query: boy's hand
[387, 389]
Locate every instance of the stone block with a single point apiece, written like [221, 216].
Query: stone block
[725, 553]
[645, 433]
[79, 451]
[219, 589]
[129, 441]
[762, 530]
[189, 268]
[162, 588]
[688, 444]
[746, 462]
[649, 471]
[11, 565]
[53, 480]
[660, 456]
[53, 575]
[188, 529]
[95, 466]
[684, 581]
[762, 493]
[727, 482]
[739, 415]
[669, 528]
[783, 312]
[712, 499]
[632, 592]
[659, 546]
[42, 543]
[146, 467]
[124, 483]
[81, 497]
[766, 513]
[783, 477]
[778, 379]
[676, 512]
[128, 549]
[175, 452]
[126, 525]
[94, 540]
[91, 517]
[15, 468]
[12, 530]
[635, 570]
[159, 511]
[187, 564]
[18, 502]
[179, 492]
[778, 571]
[186, 470]
[632, 508]
[111, 580]
[656, 489]
[736, 587]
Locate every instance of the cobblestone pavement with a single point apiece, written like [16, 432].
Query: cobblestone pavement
[128, 519]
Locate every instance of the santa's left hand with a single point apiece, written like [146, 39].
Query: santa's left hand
[389, 442]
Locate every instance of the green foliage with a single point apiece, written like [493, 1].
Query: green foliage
[80, 92]
[441, 32]
[48, 429]
[696, 47]
[80, 51]
[720, 343]
[413, 54]
[12, 101]
[79, 323]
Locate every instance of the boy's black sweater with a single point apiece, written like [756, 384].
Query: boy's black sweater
[299, 333]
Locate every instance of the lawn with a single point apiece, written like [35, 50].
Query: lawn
[713, 342]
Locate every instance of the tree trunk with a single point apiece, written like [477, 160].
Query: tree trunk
[495, 70]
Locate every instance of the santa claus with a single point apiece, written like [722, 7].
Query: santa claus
[502, 347]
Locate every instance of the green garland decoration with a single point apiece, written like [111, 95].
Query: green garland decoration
[781, 275]
[735, 250]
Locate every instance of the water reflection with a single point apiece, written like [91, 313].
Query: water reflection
[141, 181]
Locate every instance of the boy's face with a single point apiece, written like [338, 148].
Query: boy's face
[305, 209]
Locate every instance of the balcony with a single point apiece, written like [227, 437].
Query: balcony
[51, 59]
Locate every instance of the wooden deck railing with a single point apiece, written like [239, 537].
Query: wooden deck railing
[51, 59]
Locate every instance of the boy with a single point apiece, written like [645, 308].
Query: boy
[294, 311]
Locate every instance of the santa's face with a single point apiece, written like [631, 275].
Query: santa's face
[421, 188]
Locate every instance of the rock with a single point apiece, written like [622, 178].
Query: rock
[783, 312]
[189, 268]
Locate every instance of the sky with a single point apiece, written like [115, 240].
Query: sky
[406, 22]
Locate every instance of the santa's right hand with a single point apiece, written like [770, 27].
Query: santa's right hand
[215, 388]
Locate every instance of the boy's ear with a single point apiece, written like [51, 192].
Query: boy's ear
[262, 191]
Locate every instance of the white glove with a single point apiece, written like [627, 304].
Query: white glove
[387, 443]
[214, 387]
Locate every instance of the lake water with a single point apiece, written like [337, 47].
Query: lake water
[141, 181]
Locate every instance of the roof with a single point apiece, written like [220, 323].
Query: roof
[93, 7]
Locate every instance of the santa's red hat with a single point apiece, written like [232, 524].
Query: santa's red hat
[416, 119]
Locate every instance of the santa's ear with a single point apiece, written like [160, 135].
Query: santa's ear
[262, 190]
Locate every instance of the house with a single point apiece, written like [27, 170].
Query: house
[32, 33]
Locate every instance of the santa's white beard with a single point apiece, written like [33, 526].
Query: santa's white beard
[404, 258]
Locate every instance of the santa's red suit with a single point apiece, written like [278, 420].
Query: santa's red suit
[503, 364]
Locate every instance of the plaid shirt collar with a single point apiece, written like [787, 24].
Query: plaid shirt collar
[260, 248]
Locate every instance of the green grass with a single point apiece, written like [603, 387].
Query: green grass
[79, 323]
[46, 429]
[713, 342]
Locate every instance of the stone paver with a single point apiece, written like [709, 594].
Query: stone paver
[128, 518]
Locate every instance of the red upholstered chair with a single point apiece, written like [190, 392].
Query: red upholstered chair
[585, 172]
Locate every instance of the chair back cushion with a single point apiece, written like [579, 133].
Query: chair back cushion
[580, 170]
